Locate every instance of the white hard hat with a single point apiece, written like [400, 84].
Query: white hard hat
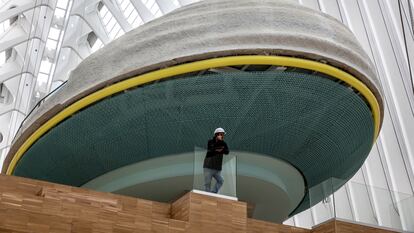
[219, 130]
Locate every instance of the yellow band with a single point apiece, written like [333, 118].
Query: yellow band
[197, 66]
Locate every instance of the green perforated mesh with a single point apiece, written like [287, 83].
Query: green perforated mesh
[322, 128]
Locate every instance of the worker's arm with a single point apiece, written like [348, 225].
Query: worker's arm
[225, 149]
[210, 146]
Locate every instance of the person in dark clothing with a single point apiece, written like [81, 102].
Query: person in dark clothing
[216, 147]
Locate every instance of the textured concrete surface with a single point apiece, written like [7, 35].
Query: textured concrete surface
[211, 29]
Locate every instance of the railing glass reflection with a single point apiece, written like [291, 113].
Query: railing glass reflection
[361, 203]
[228, 173]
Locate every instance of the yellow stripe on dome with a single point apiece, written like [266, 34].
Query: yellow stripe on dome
[198, 66]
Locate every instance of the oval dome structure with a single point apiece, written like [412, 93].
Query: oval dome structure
[294, 90]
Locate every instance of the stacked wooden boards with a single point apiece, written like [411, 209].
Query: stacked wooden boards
[28, 205]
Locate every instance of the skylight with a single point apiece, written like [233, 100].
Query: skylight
[2, 58]
[153, 7]
[62, 4]
[54, 33]
[176, 3]
[42, 78]
[51, 44]
[97, 45]
[112, 27]
[130, 13]
[59, 13]
[45, 66]
[4, 26]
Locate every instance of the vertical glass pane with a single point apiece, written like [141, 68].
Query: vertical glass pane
[364, 213]
[385, 208]
[229, 174]
[202, 176]
[198, 180]
[324, 208]
[343, 208]
[406, 208]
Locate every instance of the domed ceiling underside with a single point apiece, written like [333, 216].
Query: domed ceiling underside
[316, 124]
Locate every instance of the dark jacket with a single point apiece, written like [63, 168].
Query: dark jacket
[214, 158]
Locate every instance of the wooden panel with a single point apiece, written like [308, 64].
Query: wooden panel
[177, 226]
[223, 215]
[35, 206]
[336, 226]
[257, 226]
[180, 208]
[327, 227]
[345, 227]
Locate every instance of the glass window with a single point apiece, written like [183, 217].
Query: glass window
[51, 44]
[2, 58]
[45, 66]
[97, 45]
[62, 4]
[59, 13]
[112, 27]
[42, 78]
[54, 33]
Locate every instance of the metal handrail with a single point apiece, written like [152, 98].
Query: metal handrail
[38, 105]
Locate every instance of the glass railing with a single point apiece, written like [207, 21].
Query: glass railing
[208, 180]
[322, 200]
[406, 210]
[361, 203]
